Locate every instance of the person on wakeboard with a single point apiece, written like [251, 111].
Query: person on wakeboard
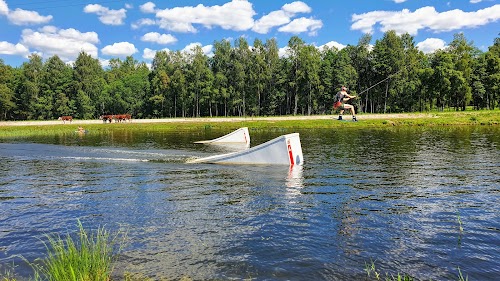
[340, 103]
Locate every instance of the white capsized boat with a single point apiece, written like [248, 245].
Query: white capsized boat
[283, 150]
[240, 136]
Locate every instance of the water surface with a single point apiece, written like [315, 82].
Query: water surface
[392, 196]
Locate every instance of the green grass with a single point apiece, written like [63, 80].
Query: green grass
[87, 257]
[482, 118]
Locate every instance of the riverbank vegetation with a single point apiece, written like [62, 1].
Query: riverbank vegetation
[389, 75]
[75, 257]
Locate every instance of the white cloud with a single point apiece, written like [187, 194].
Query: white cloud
[280, 17]
[143, 22]
[149, 54]
[4, 9]
[424, 18]
[23, 17]
[148, 7]
[283, 52]
[302, 25]
[235, 15]
[399, 1]
[104, 62]
[332, 44]
[273, 19]
[296, 7]
[207, 50]
[7, 48]
[121, 49]
[66, 43]
[106, 16]
[156, 37]
[475, 1]
[430, 45]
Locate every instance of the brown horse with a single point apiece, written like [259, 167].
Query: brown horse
[66, 118]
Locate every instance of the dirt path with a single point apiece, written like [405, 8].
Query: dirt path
[219, 119]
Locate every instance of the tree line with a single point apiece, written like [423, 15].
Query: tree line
[390, 76]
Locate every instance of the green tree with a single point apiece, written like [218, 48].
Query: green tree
[388, 60]
[492, 78]
[56, 83]
[361, 58]
[221, 67]
[463, 54]
[442, 64]
[89, 84]
[272, 71]
[310, 63]
[201, 80]
[296, 72]
[29, 87]
[7, 103]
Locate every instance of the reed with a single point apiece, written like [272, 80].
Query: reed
[372, 272]
[460, 223]
[89, 256]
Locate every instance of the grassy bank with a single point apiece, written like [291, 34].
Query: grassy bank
[475, 118]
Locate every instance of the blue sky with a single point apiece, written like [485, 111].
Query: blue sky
[115, 29]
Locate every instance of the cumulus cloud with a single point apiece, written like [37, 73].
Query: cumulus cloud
[235, 15]
[66, 43]
[280, 17]
[207, 50]
[430, 45]
[158, 38]
[332, 44]
[273, 19]
[4, 9]
[106, 16]
[300, 25]
[148, 7]
[23, 17]
[143, 22]
[284, 52]
[121, 49]
[296, 7]
[7, 48]
[149, 54]
[424, 18]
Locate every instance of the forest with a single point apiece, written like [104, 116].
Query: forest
[389, 76]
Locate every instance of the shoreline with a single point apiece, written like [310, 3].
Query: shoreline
[224, 119]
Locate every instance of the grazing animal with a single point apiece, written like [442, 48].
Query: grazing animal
[106, 118]
[66, 118]
[122, 117]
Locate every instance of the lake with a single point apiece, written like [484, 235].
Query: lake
[396, 197]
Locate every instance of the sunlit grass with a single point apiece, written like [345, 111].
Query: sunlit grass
[484, 117]
[86, 257]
